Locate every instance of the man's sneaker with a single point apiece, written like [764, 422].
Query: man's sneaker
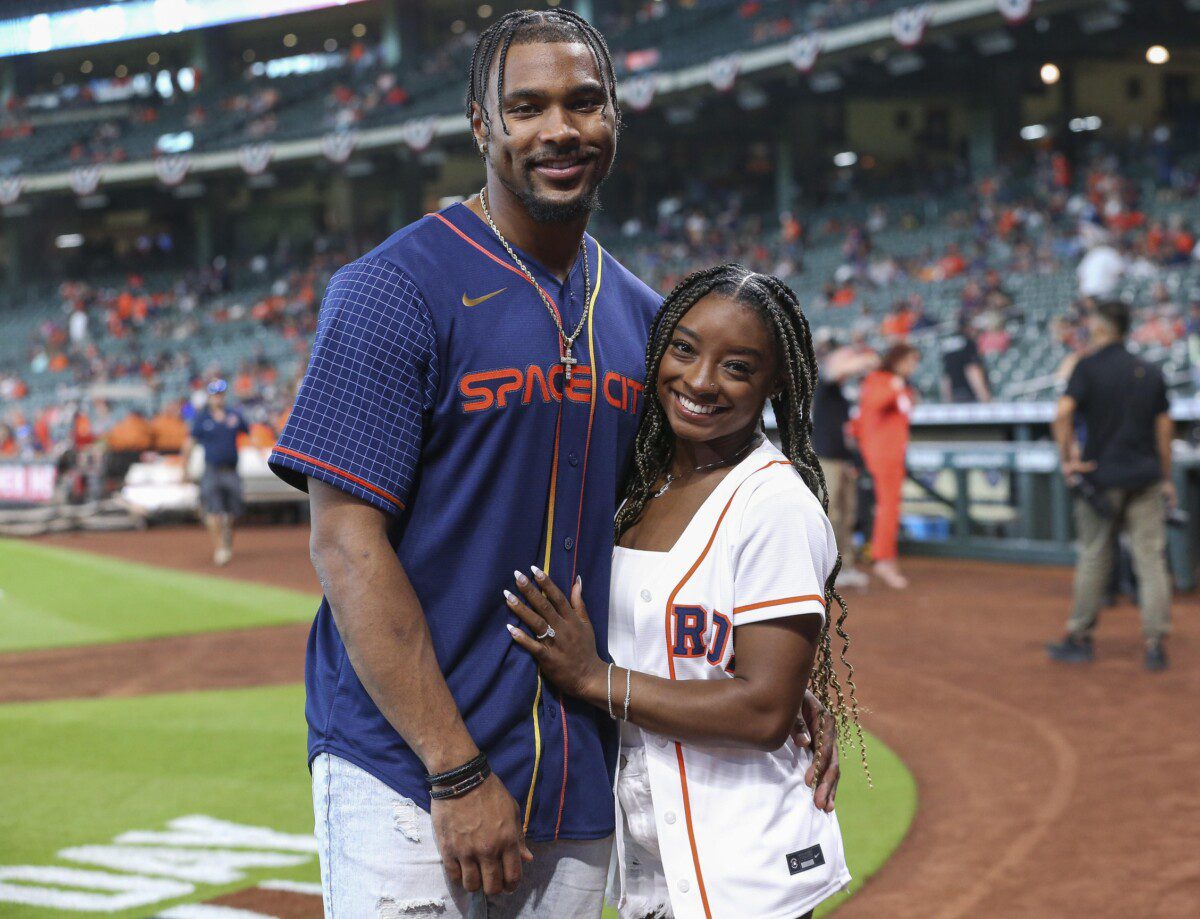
[853, 577]
[223, 556]
[1156, 656]
[1071, 650]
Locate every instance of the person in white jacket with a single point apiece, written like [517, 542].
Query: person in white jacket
[723, 575]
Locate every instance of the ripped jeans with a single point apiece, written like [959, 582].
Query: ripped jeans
[379, 860]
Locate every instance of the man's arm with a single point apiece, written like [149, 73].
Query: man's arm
[387, 639]
[185, 453]
[1063, 428]
[1164, 434]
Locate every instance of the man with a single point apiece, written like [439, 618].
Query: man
[964, 377]
[468, 410]
[1122, 481]
[1101, 269]
[216, 429]
[838, 365]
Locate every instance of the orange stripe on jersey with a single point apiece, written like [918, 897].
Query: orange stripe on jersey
[784, 601]
[343, 473]
[503, 264]
[687, 804]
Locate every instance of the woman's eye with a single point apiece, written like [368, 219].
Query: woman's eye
[738, 366]
[681, 346]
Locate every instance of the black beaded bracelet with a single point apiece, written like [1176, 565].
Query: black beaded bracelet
[463, 785]
[450, 776]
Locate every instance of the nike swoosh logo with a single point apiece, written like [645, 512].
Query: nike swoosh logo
[475, 301]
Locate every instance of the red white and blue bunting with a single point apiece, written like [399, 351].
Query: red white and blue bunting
[338, 145]
[85, 180]
[10, 190]
[723, 72]
[419, 133]
[173, 169]
[803, 51]
[638, 92]
[255, 158]
[1015, 11]
[909, 24]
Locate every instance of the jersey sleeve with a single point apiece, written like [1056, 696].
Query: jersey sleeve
[358, 420]
[781, 556]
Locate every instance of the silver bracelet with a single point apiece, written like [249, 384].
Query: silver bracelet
[611, 714]
[628, 687]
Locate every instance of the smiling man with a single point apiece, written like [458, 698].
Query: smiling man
[468, 410]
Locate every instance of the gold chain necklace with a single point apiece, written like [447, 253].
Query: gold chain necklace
[568, 341]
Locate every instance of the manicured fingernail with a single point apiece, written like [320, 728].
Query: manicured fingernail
[521, 579]
[510, 597]
[537, 572]
[512, 629]
[579, 581]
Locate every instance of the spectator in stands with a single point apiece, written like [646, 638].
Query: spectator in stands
[964, 376]
[1102, 267]
[840, 364]
[1121, 478]
[881, 428]
[216, 429]
[168, 429]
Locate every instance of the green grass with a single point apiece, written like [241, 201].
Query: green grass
[82, 772]
[52, 597]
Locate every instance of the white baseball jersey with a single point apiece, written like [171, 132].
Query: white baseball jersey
[739, 834]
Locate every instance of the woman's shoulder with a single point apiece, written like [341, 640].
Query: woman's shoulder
[776, 492]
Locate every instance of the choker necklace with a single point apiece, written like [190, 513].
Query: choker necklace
[566, 342]
[737, 457]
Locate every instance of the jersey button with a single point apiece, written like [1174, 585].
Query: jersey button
[573, 458]
[569, 543]
[645, 595]
[669, 817]
[660, 741]
[684, 886]
[551, 708]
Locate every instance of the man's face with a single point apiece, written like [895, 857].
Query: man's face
[562, 129]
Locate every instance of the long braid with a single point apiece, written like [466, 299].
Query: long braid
[533, 25]
[654, 447]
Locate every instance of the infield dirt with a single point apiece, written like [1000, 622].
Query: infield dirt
[1045, 790]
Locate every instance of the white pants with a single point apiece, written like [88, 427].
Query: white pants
[379, 858]
[646, 893]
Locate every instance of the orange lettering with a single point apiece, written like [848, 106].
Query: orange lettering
[555, 371]
[611, 377]
[579, 389]
[535, 373]
[636, 389]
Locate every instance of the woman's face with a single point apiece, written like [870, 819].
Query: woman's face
[717, 371]
[908, 366]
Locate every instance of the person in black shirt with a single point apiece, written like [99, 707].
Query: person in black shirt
[1122, 480]
[831, 414]
[964, 377]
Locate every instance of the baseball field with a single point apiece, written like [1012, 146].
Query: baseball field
[154, 733]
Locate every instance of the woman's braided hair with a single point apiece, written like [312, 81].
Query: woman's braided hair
[552, 25]
[654, 447]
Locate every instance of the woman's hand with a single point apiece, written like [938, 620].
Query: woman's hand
[567, 654]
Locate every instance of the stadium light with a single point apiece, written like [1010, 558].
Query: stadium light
[331, 45]
[121, 72]
[484, 11]
[85, 67]
[289, 40]
[1034, 132]
[1050, 74]
[458, 27]
[845, 160]
[69, 241]
[359, 30]
[1080, 125]
[152, 58]
[1157, 54]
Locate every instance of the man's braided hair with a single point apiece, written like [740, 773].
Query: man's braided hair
[527, 26]
[654, 448]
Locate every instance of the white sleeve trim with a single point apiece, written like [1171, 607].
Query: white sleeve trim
[779, 609]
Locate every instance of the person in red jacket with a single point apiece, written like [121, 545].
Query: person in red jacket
[882, 431]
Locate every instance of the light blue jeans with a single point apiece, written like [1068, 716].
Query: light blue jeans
[379, 860]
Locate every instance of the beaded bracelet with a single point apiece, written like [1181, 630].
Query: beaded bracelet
[463, 785]
[451, 776]
[611, 713]
[628, 689]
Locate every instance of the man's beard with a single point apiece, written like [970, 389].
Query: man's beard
[543, 211]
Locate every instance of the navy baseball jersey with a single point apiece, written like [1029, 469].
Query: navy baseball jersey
[219, 438]
[435, 392]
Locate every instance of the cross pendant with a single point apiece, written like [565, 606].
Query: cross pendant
[568, 362]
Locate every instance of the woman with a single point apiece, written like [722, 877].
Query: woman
[885, 403]
[723, 551]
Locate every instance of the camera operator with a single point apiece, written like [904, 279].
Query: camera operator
[1121, 480]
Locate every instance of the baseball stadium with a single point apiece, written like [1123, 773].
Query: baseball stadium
[318, 316]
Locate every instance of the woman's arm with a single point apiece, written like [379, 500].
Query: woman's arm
[756, 708]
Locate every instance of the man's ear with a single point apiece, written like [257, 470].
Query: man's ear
[479, 129]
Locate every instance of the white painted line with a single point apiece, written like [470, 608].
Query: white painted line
[209, 911]
[292, 887]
